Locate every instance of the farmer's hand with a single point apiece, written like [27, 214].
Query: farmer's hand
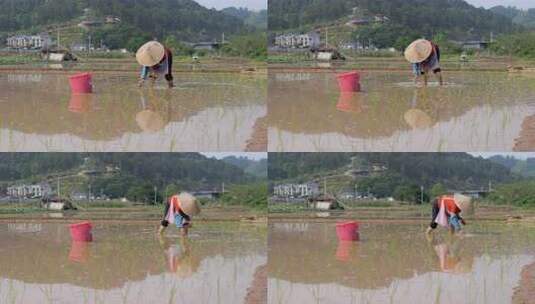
[141, 82]
[463, 222]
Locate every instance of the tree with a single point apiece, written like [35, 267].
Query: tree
[437, 190]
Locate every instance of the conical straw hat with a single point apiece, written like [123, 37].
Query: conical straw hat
[463, 202]
[189, 204]
[150, 54]
[418, 51]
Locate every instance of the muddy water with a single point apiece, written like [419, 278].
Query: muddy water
[129, 264]
[205, 112]
[395, 263]
[476, 111]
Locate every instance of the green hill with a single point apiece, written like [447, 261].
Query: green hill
[117, 174]
[522, 17]
[523, 167]
[252, 18]
[139, 19]
[256, 168]
[407, 19]
[388, 173]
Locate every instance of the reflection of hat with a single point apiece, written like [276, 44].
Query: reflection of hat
[418, 51]
[418, 119]
[150, 54]
[189, 204]
[150, 121]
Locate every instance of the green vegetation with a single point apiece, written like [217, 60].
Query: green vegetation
[522, 17]
[523, 167]
[140, 21]
[11, 59]
[411, 17]
[521, 193]
[251, 195]
[517, 45]
[442, 21]
[396, 175]
[140, 177]
[256, 168]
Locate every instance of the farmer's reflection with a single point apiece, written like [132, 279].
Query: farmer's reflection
[179, 257]
[155, 112]
[417, 117]
[451, 258]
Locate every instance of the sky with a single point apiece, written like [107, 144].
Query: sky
[219, 4]
[525, 4]
[519, 155]
[255, 156]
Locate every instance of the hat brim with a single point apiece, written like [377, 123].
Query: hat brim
[189, 204]
[418, 51]
[150, 54]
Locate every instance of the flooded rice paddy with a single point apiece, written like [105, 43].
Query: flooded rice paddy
[396, 263]
[128, 263]
[474, 111]
[204, 112]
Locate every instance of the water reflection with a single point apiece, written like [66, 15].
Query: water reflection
[127, 263]
[395, 263]
[205, 112]
[476, 111]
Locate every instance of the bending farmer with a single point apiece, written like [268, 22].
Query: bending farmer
[156, 60]
[179, 210]
[425, 57]
[447, 213]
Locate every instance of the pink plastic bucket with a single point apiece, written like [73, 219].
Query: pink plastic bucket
[81, 232]
[349, 82]
[81, 83]
[347, 231]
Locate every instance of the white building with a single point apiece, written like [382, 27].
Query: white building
[296, 190]
[29, 41]
[303, 41]
[33, 191]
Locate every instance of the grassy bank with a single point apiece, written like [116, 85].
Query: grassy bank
[396, 211]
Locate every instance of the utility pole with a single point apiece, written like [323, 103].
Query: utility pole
[59, 41]
[59, 192]
[223, 187]
[155, 193]
[325, 186]
[421, 195]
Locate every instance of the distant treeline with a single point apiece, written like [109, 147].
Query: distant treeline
[404, 174]
[137, 174]
[407, 19]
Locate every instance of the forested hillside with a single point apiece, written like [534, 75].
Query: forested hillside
[522, 167]
[256, 168]
[452, 170]
[252, 18]
[183, 19]
[408, 19]
[136, 171]
[522, 17]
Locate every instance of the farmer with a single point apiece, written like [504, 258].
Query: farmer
[179, 210]
[156, 60]
[447, 213]
[425, 57]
